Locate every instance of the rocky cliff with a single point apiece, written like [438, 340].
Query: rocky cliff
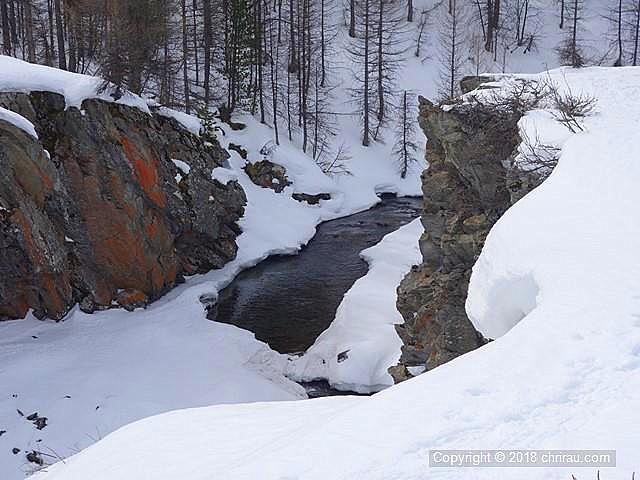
[111, 206]
[468, 185]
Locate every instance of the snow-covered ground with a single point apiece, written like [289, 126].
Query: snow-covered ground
[357, 349]
[557, 284]
[92, 374]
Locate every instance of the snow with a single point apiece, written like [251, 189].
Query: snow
[18, 121]
[19, 76]
[365, 319]
[224, 175]
[557, 287]
[182, 166]
[119, 367]
[189, 122]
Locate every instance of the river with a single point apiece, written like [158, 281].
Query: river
[287, 301]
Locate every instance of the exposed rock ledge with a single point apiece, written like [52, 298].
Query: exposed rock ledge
[468, 185]
[96, 212]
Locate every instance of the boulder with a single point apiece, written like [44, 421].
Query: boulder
[267, 174]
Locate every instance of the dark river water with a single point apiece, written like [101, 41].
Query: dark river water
[287, 301]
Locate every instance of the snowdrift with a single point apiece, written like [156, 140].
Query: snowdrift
[556, 286]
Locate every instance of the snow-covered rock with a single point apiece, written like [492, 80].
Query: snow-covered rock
[19, 121]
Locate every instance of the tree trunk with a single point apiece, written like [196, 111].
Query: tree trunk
[574, 33]
[454, 39]
[62, 58]
[322, 44]
[637, 35]
[185, 57]
[365, 136]
[31, 44]
[51, 30]
[206, 12]
[381, 106]
[619, 61]
[195, 41]
[488, 44]
[352, 18]
[6, 35]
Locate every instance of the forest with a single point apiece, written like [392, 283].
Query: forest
[284, 60]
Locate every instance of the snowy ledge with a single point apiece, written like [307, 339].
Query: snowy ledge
[19, 76]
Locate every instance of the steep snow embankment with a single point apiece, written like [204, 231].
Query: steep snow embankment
[360, 345]
[92, 374]
[564, 373]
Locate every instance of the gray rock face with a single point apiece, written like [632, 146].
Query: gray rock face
[466, 189]
[104, 210]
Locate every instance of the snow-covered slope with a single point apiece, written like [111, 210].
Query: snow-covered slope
[360, 345]
[557, 284]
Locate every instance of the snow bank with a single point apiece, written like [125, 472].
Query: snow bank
[18, 121]
[189, 122]
[563, 372]
[359, 346]
[19, 76]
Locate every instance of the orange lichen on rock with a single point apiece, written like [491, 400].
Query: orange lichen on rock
[146, 170]
[55, 290]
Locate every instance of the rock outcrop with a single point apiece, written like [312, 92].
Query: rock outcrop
[96, 211]
[467, 187]
[267, 174]
[311, 199]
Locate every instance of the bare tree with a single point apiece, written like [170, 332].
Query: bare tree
[452, 43]
[570, 50]
[493, 9]
[405, 147]
[362, 55]
[635, 30]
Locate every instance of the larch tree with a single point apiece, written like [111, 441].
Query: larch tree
[405, 147]
[452, 48]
